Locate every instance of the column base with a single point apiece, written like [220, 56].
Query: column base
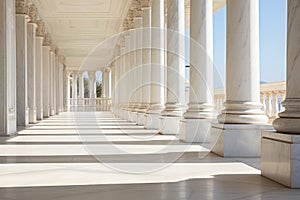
[46, 112]
[52, 113]
[280, 158]
[23, 118]
[152, 121]
[40, 114]
[237, 140]
[169, 125]
[195, 130]
[32, 116]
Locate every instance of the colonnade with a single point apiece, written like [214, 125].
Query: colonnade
[32, 68]
[237, 131]
[148, 81]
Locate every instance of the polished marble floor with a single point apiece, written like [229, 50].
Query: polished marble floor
[87, 156]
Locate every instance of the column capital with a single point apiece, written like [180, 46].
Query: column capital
[62, 59]
[22, 7]
[40, 31]
[146, 4]
[47, 40]
[33, 12]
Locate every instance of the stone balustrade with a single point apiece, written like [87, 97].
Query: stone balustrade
[272, 96]
[89, 104]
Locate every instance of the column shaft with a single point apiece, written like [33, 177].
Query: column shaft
[146, 58]
[242, 104]
[66, 90]
[201, 65]
[31, 71]
[139, 71]
[52, 82]
[92, 85]
[157, 57]
[289, 121]
[175, 59]
[46, 77]
[21, 50]
[74, 86]
[8, 68]
[39, 77]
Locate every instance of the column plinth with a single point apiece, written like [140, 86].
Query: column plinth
[243, 110]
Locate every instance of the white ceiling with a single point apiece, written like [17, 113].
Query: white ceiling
[78, 26]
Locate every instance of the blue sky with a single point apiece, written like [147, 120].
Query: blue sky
[272, 41]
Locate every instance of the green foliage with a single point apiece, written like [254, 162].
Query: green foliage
[99, 89]
[86, 88]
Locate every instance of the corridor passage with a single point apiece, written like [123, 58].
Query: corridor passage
[87, 156]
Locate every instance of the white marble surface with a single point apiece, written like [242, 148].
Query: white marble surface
[175, 59]
[8, 68]
[157, 57]
[280, 159]
[39, 77]
[36, 165]
[289, 121]
[21, 84]
[46, 81]
[242, 104]
[235, 140]
[52, 83]
[169, 125]
[201, 90]
[152, 121]
[141, 119]
[146, 58]
[31, 71]
[195, 130]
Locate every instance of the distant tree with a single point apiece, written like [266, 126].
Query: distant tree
[86, 88]
[99, 89]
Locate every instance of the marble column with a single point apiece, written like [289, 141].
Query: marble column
[74, 86]
[40, 31]
[81, 88]
[31, 65]
[92, 85]
[127, 77]
[157, 65]
[8, 67]
[57, 83]
[243, 110]
[146, 61]
[280, 150]
[66, 89]
[52, 84]
[197, 120]
[107, 80]
[103, 84]
[175, 102]
[122, 81]
[113, 83]
[61, 86]
[46, 77]
[21, 53]
[138, 62]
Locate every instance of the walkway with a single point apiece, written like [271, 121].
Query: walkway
[87, 156]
